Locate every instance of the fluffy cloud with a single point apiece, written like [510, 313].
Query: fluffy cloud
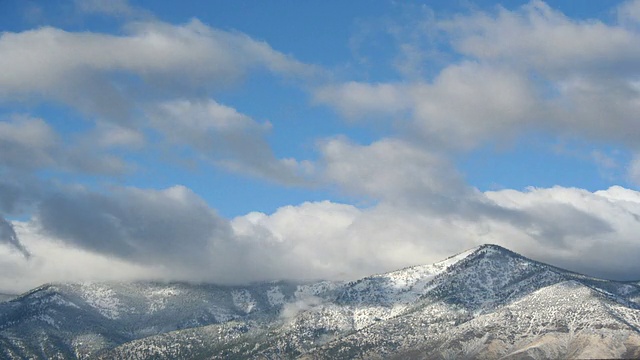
[121, 84]
[178, 234]
[391, 170]
[540, 37]
[108, 7]
[9, 237]
[592, 232]
[466, 104]
[78, 68]
[30, 144]
[629, 13]
[573, 228]
[633, 170]
[166, 226]
[356, 100]
[126, 86]
[523, 69]
[173, 234]
[26, 143]
[586, 71]
[225, 137]
[55, 261]
[511, 76]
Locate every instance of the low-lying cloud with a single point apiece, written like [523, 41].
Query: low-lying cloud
[152, 90]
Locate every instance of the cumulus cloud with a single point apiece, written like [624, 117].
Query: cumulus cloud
[29, 144]
[225, 137]
[594, 231]
[108, 135]
[56, 261]
[172, 234]
[629, 13]
[392, 170]
[26, 143]
[573, 228]
[175, 231]
[108, 7]
[633, 170]
[8, 236]
[538, 36]
[77, 68]
[121, 84]
[146, 226]
[356, 100]
[466, 104]
[518, 70]
[156, 76]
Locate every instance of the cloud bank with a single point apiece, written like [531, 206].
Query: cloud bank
[69, 213]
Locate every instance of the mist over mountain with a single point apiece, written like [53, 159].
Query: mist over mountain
[487, 302]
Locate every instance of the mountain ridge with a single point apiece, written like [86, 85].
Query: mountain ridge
[477, 297]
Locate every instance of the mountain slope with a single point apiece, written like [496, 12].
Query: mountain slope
[76, 320]
[7, 297]
[487, 302]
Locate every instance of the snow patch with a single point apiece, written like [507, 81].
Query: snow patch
[158, 297]
[101, 298]
[242, 300]
[275, 296]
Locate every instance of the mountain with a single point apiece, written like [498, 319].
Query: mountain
[6, 297]
[487, 302]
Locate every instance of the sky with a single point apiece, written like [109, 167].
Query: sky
[243, 141]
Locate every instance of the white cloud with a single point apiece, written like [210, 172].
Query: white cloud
[9, 237]
[194, 122]
[595, 233]
[55, 261]
[30, 144]
[532, 68]
[26, 142]
[584, 70]
[356, 100]
[577, 229]
[466, 104]
[118, 79]
[470, 103]
[538, 36]
[629, 13]
[172, 234]
[147, 226]
[519, 70]
[76, 68]
[390, 169]
[633, 170]
[225, 137]
[108, 135]
[107, 7]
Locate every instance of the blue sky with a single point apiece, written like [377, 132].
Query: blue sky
[319, 139]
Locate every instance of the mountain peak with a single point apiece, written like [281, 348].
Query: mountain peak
[452, 304]
[494, 248]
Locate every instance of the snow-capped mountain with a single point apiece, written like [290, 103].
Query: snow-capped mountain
[487, 302]
[7, 297]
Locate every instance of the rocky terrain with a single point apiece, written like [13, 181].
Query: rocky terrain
[487, 302]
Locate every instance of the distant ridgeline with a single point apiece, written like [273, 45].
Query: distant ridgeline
[487, 302]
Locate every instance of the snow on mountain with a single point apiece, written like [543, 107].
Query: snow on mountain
[487, 302]
[75, 320]
[7, 297]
